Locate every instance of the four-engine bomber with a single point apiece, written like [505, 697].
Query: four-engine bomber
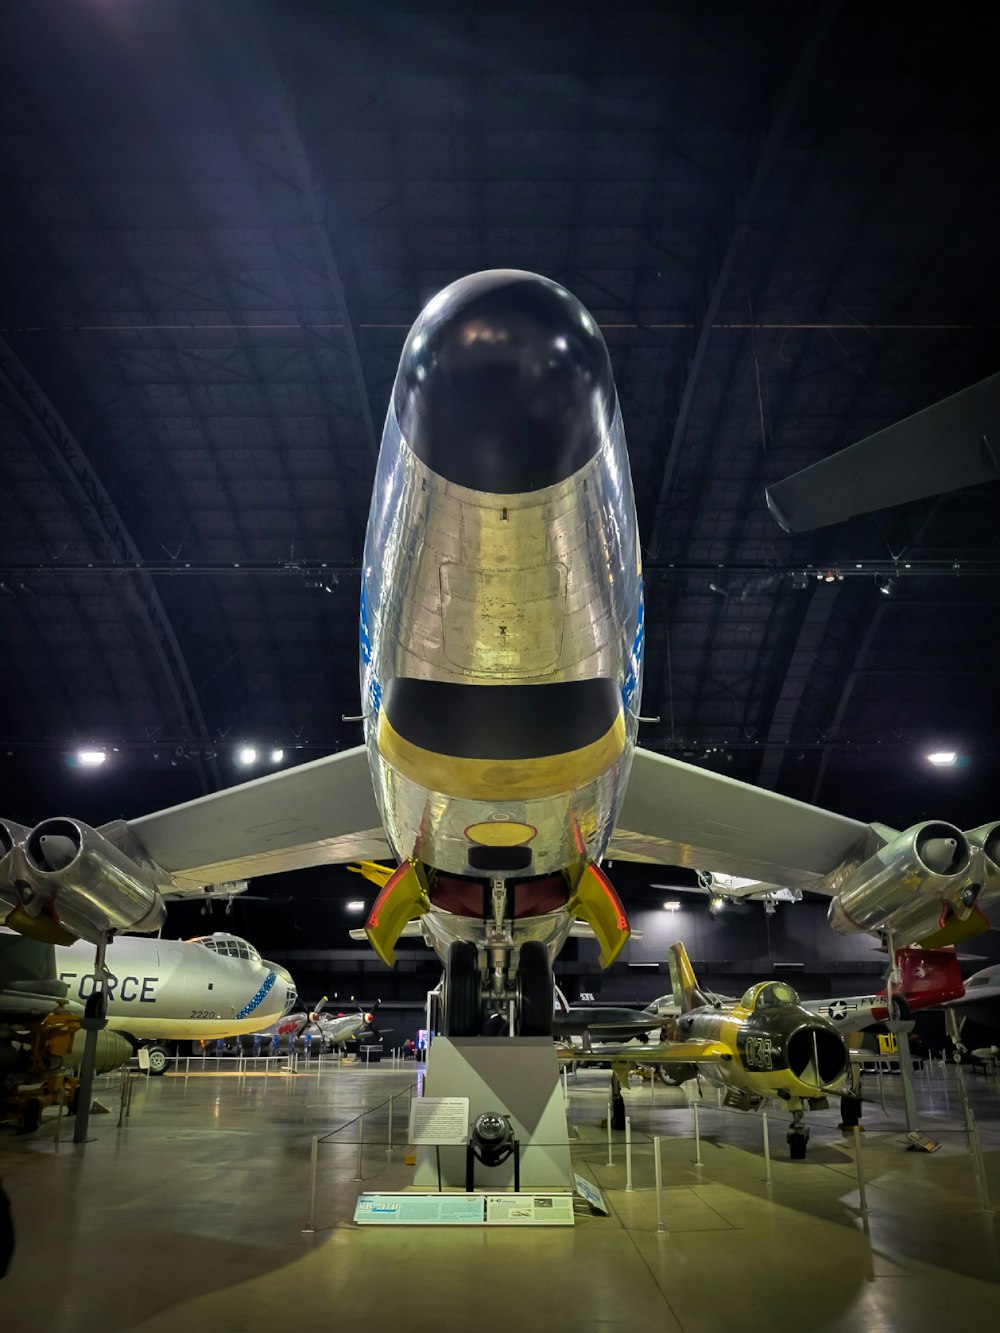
[502, 628]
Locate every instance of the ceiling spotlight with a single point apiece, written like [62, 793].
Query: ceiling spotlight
[886, 586]
[248, 755]
[277, 756]
[355, 905]
[943, 758]
[672, 906]
[90, 758]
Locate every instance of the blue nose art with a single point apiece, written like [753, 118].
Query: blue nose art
[505, 384]
[258, 999]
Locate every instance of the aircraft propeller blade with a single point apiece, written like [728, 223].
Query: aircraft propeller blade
[950, 445]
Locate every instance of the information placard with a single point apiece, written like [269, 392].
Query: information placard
[439, 1120]
[533, 1210]
[589, 1191]
[420, 1210]
[458, 1210]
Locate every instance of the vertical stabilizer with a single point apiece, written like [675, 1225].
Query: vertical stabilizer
[687, 993]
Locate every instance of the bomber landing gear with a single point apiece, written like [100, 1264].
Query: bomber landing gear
[536, 991]
[798, 1137]
[159, 1057]
[533, 994]
[462, 998]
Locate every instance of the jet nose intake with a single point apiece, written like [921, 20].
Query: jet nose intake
[504, 384]
[816, 1055]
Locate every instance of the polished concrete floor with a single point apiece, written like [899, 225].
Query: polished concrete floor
[191, 1217]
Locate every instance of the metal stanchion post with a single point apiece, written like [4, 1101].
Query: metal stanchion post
[59, 1108]
[658, 1169]
[767, 1149]
[860, 1167]
[628, 1154]
[389, 1153]
[976, 1150]
[310, 1220]
[881, 1088]
[361, 1146]
[652, 1090]
[610, 1154]
[697, 1135]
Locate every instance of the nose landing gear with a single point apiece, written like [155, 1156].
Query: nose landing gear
[797, 1137]
[533, 992]
[463, 1012]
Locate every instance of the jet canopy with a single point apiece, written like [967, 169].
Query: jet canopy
[770, 995]
[228, 945]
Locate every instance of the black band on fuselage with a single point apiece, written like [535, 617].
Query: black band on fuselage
[501, 721]
[504, 384]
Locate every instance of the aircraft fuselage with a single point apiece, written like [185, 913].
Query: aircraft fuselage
[501, 608]
[177, 990]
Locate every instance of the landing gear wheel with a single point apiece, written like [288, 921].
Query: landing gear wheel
[797, 1147]
[462, 1003]
[537, 991]
[158, 1058]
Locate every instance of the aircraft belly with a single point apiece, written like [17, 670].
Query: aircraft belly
[432, 827]
[494, 588]
[189, 1029]
[441, 928]
[466, 588]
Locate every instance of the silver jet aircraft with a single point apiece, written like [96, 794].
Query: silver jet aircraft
[502, 629]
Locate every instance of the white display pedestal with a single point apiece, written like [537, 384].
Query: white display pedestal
[516, 1077]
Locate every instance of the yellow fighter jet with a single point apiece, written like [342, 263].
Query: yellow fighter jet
[764, 1046]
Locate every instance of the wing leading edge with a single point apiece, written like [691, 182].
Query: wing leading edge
[322, 812]
[676, 814]
[325, 812]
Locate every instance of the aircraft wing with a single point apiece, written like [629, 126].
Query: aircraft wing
[583, 930]
[411, 931]
[731, 887]
[659, 1053]
[323, 812]
[676, 814]
[25, 1004]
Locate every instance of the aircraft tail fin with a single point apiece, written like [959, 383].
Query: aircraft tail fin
[687, 993]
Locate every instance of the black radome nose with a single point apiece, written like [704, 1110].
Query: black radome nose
[504, 384]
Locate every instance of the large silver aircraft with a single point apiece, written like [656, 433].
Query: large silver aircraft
[501, 627]
[159, 991]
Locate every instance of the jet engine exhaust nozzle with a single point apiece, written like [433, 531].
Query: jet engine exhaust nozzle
[88, 883]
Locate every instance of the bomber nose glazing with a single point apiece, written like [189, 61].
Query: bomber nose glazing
[504, 384]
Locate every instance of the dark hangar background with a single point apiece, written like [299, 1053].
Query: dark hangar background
[218, 222]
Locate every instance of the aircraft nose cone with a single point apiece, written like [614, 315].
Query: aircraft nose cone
[504, 384]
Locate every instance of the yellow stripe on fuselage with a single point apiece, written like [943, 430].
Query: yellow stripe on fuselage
[501, 779]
